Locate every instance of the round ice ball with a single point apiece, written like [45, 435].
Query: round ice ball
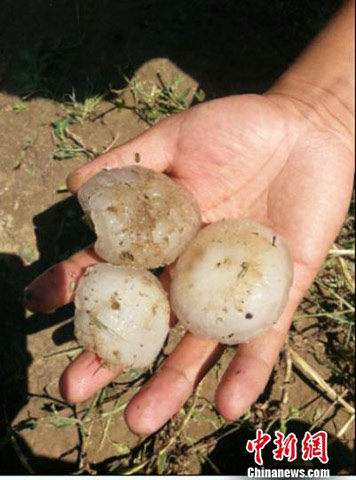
[232, 282]
[122, 314]
[141, 217]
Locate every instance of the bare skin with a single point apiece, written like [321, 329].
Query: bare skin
[284, 159]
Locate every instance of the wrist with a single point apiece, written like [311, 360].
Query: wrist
[321, 81]
[328, 104]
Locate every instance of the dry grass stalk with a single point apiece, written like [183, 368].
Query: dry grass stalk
[311, 373]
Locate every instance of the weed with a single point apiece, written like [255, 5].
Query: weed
[157, 100]
[22, 153]
[79, 112]
[19, 107]
[68, 145]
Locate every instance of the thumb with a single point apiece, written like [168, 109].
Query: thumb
[153, 149]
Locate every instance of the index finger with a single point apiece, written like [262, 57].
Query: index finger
[153, 149]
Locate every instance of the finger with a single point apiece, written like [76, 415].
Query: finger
[249, 371]
[167, 391]
[86, 374]
[84, 377]
[152, 149]
[55, 287]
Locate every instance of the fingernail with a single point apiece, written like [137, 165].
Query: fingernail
[71, 178]
[28, 294]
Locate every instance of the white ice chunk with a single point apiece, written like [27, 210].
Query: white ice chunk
[141, 217]
[122, 314]
[232, 282]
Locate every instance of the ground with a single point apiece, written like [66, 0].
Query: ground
[76, 80]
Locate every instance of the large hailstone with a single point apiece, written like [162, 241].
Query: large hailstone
[122, 314]
[141, 217]
[232, 282]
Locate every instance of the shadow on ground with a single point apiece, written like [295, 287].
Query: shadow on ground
[227, 46]
[60, 232]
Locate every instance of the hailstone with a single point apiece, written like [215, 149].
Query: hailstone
[232, 281]
[122, 314]
[141, 217]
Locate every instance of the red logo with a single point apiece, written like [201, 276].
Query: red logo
[256, 446]
[313, 446]
[286, 447]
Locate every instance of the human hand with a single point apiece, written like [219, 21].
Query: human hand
[264, 157]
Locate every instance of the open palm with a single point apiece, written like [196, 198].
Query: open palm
[245, 156]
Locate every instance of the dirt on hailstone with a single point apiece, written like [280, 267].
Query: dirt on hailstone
[40, 223]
